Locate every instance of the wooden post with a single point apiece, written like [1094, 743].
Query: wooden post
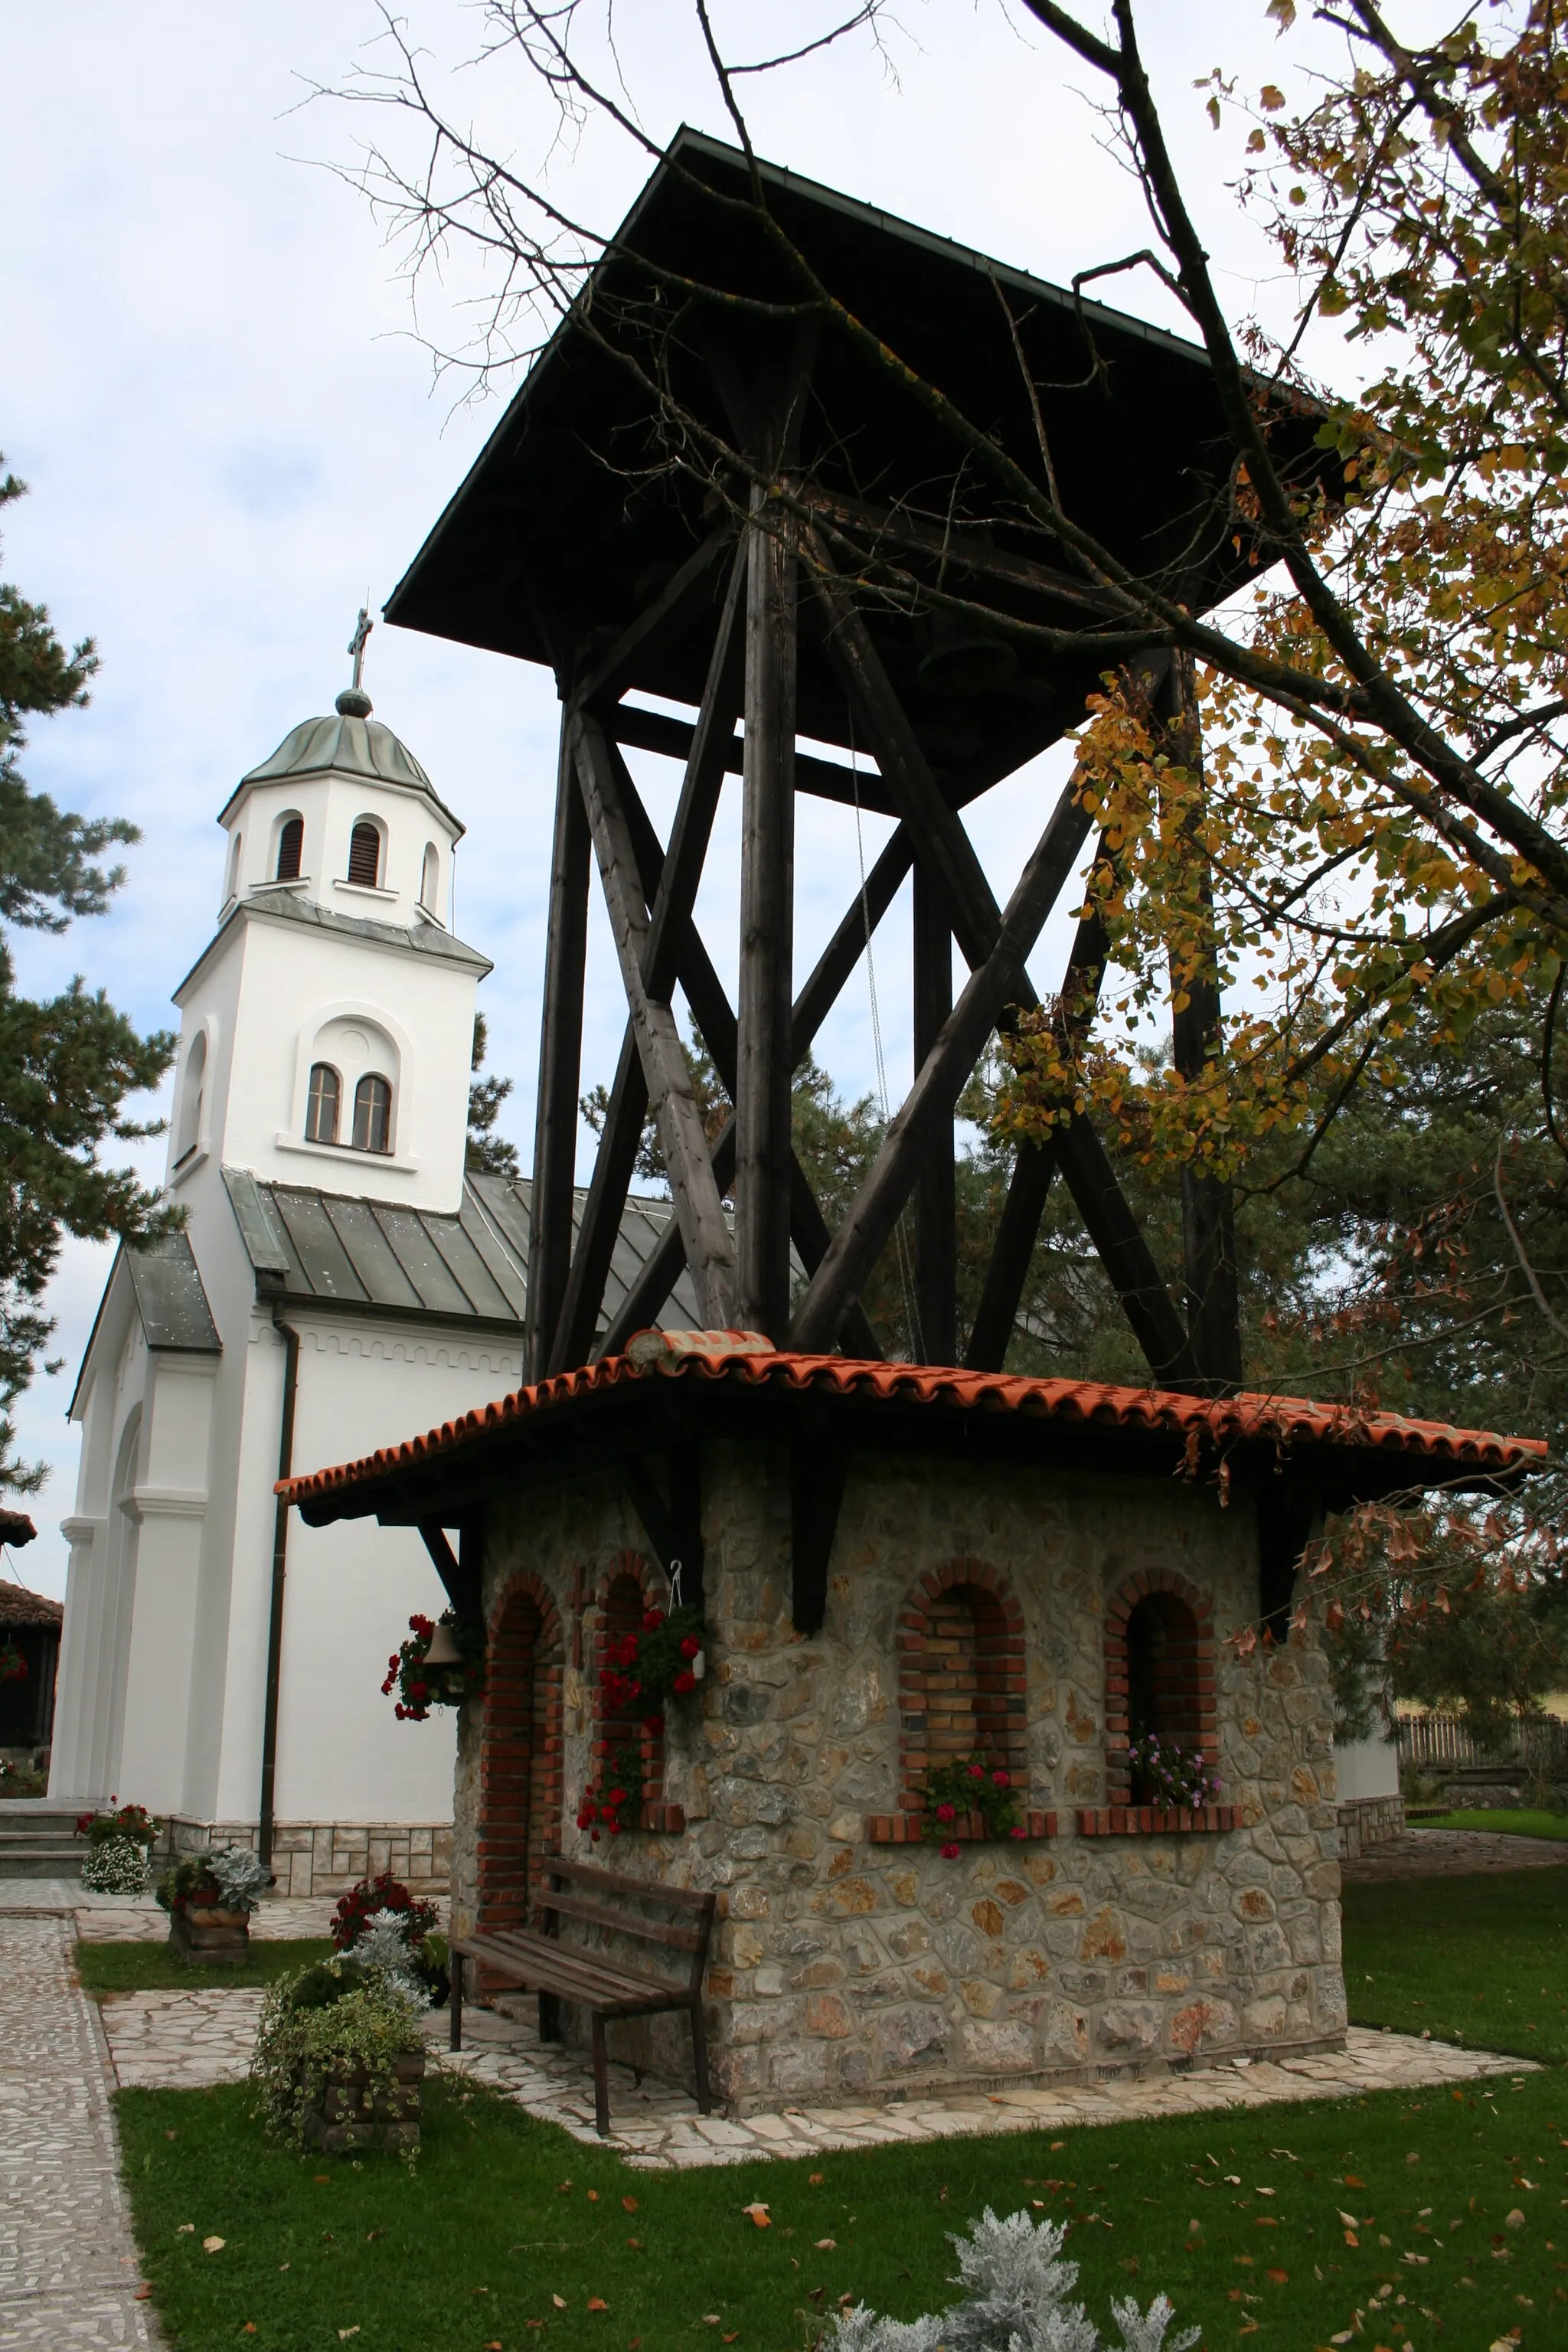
[560, 1068]
[936, 1189]
[1208, 1213]
[763, 1148]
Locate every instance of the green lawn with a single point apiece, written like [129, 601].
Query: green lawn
[135, 1968]
[1520, 1823]
[1478, 1961]
[504, 2230]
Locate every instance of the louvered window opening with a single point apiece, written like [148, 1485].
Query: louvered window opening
[372, 1115]
[364, 856]
[321, 1110]
[290, 849]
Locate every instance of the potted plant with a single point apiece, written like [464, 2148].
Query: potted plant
[441, 1664]
[381, 1906]
[209, 1898]
[1175, 1778]
[340, 2058]
[968, 1798]
[119, 1849]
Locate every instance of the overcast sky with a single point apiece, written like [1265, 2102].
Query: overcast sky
[231, 437]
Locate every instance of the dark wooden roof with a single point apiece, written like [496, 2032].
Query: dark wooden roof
[572, 518]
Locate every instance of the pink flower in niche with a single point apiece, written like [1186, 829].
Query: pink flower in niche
[950, 1853]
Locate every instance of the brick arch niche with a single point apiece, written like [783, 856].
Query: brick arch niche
[961, 1688]
[631, 1589]
[1160, 1678]
[521, 1764]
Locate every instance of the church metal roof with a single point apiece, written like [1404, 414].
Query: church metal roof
[348, 743]
[344, 1252]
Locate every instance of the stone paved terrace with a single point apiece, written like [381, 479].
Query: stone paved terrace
[1452, 1854]
[186, 2039]
[69, 2267]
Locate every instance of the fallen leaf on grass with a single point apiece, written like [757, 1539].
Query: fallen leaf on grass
[564, 2190]
[1265, 2222]
[323, 2179]
[212, 2245]
[249, 2327]
[635, 2245]
[533, 2323]
[1352, 2180]
[758, 2214]
[1280, 2278]
[1351, 2238]
[710, 2319]
[185, 2229]
[345, 2333]
[731, 2337]
[597, 2303]
[827, 2245]
[559, 2301]
[629, 2205]
[815, 2179]
[592, 2196]
[143, 2293]
[1514, 2220]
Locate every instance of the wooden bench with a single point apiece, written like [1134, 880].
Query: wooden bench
[603, 1984]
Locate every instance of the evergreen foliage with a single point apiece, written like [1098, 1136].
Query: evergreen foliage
[487, 1153]
[67, 1063]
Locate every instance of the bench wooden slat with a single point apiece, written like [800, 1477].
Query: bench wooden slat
[567, 1969]
[616, 1881]
[598, 1915]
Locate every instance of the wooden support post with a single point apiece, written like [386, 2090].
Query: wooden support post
[763, 1149]
[1208, 1212]
[669, 898]
[709, 1254]
[936, 1189]
[560, 1068]
[1000, 981]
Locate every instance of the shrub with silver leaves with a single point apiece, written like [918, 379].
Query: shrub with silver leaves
[1015, 2301]
[384, 1946]
[117, 1866]
[240, 1876]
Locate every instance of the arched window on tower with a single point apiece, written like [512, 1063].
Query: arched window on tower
[191, 1094]
[364, 853]
[323, 1105]
[1163, 1661]
[290, 849]
[430, 877]
[372, 1114]
[236, 851]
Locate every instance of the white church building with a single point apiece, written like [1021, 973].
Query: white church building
[340, 1281]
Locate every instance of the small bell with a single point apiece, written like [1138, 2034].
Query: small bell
[443, 1649]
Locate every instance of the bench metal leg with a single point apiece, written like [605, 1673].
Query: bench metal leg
[601, 2080]
[700, 2058]
[456, 2001]
[549, 2017]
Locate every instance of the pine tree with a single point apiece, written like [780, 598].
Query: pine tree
[67, 1063]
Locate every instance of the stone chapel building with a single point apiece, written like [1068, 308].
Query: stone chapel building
[339, 1274]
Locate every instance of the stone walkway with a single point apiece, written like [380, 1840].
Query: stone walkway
[69, 2267]
[186, 2040]
[1453, 1854]
[139, 1918]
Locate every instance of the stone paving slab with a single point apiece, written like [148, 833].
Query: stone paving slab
[188, 2040]
[69, 2265]
[1452, 1854]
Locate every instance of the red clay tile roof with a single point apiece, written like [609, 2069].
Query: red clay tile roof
[20, 1607]
[742, 1357]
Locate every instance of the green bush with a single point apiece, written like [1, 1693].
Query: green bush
[330, 2019]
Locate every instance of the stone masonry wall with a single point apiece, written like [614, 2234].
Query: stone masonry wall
[311, 1858]
[844, 1968]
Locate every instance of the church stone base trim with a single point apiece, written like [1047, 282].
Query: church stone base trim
[314, 1858]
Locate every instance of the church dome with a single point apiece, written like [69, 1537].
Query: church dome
[351, 743]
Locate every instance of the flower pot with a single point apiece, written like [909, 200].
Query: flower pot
[356, 2111]
[209, 1938]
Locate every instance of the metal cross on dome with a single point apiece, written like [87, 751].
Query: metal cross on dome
[359, 641]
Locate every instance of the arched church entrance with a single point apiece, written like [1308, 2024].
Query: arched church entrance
[520, 1762]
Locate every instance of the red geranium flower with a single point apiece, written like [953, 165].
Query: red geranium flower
[950, 1853]
[652, 1620]
[978, 1771]
[1001, 1780]
[944, 1812]
[690, 1646]
[684, 1683]
[1017, 1829]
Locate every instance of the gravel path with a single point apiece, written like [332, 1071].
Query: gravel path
[1453, 1854]
[69, 2265]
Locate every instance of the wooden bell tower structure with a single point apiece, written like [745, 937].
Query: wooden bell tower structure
[712, 492]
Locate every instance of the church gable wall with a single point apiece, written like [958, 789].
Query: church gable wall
[851, 1961]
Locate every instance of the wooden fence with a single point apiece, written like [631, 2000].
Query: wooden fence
[1441, 1743]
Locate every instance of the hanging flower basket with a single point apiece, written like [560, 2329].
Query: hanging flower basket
[421, 1684]
[968, 1798]
[663, 1660]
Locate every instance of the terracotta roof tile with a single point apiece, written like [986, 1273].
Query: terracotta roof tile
[20, 1607]
[744, 1359]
